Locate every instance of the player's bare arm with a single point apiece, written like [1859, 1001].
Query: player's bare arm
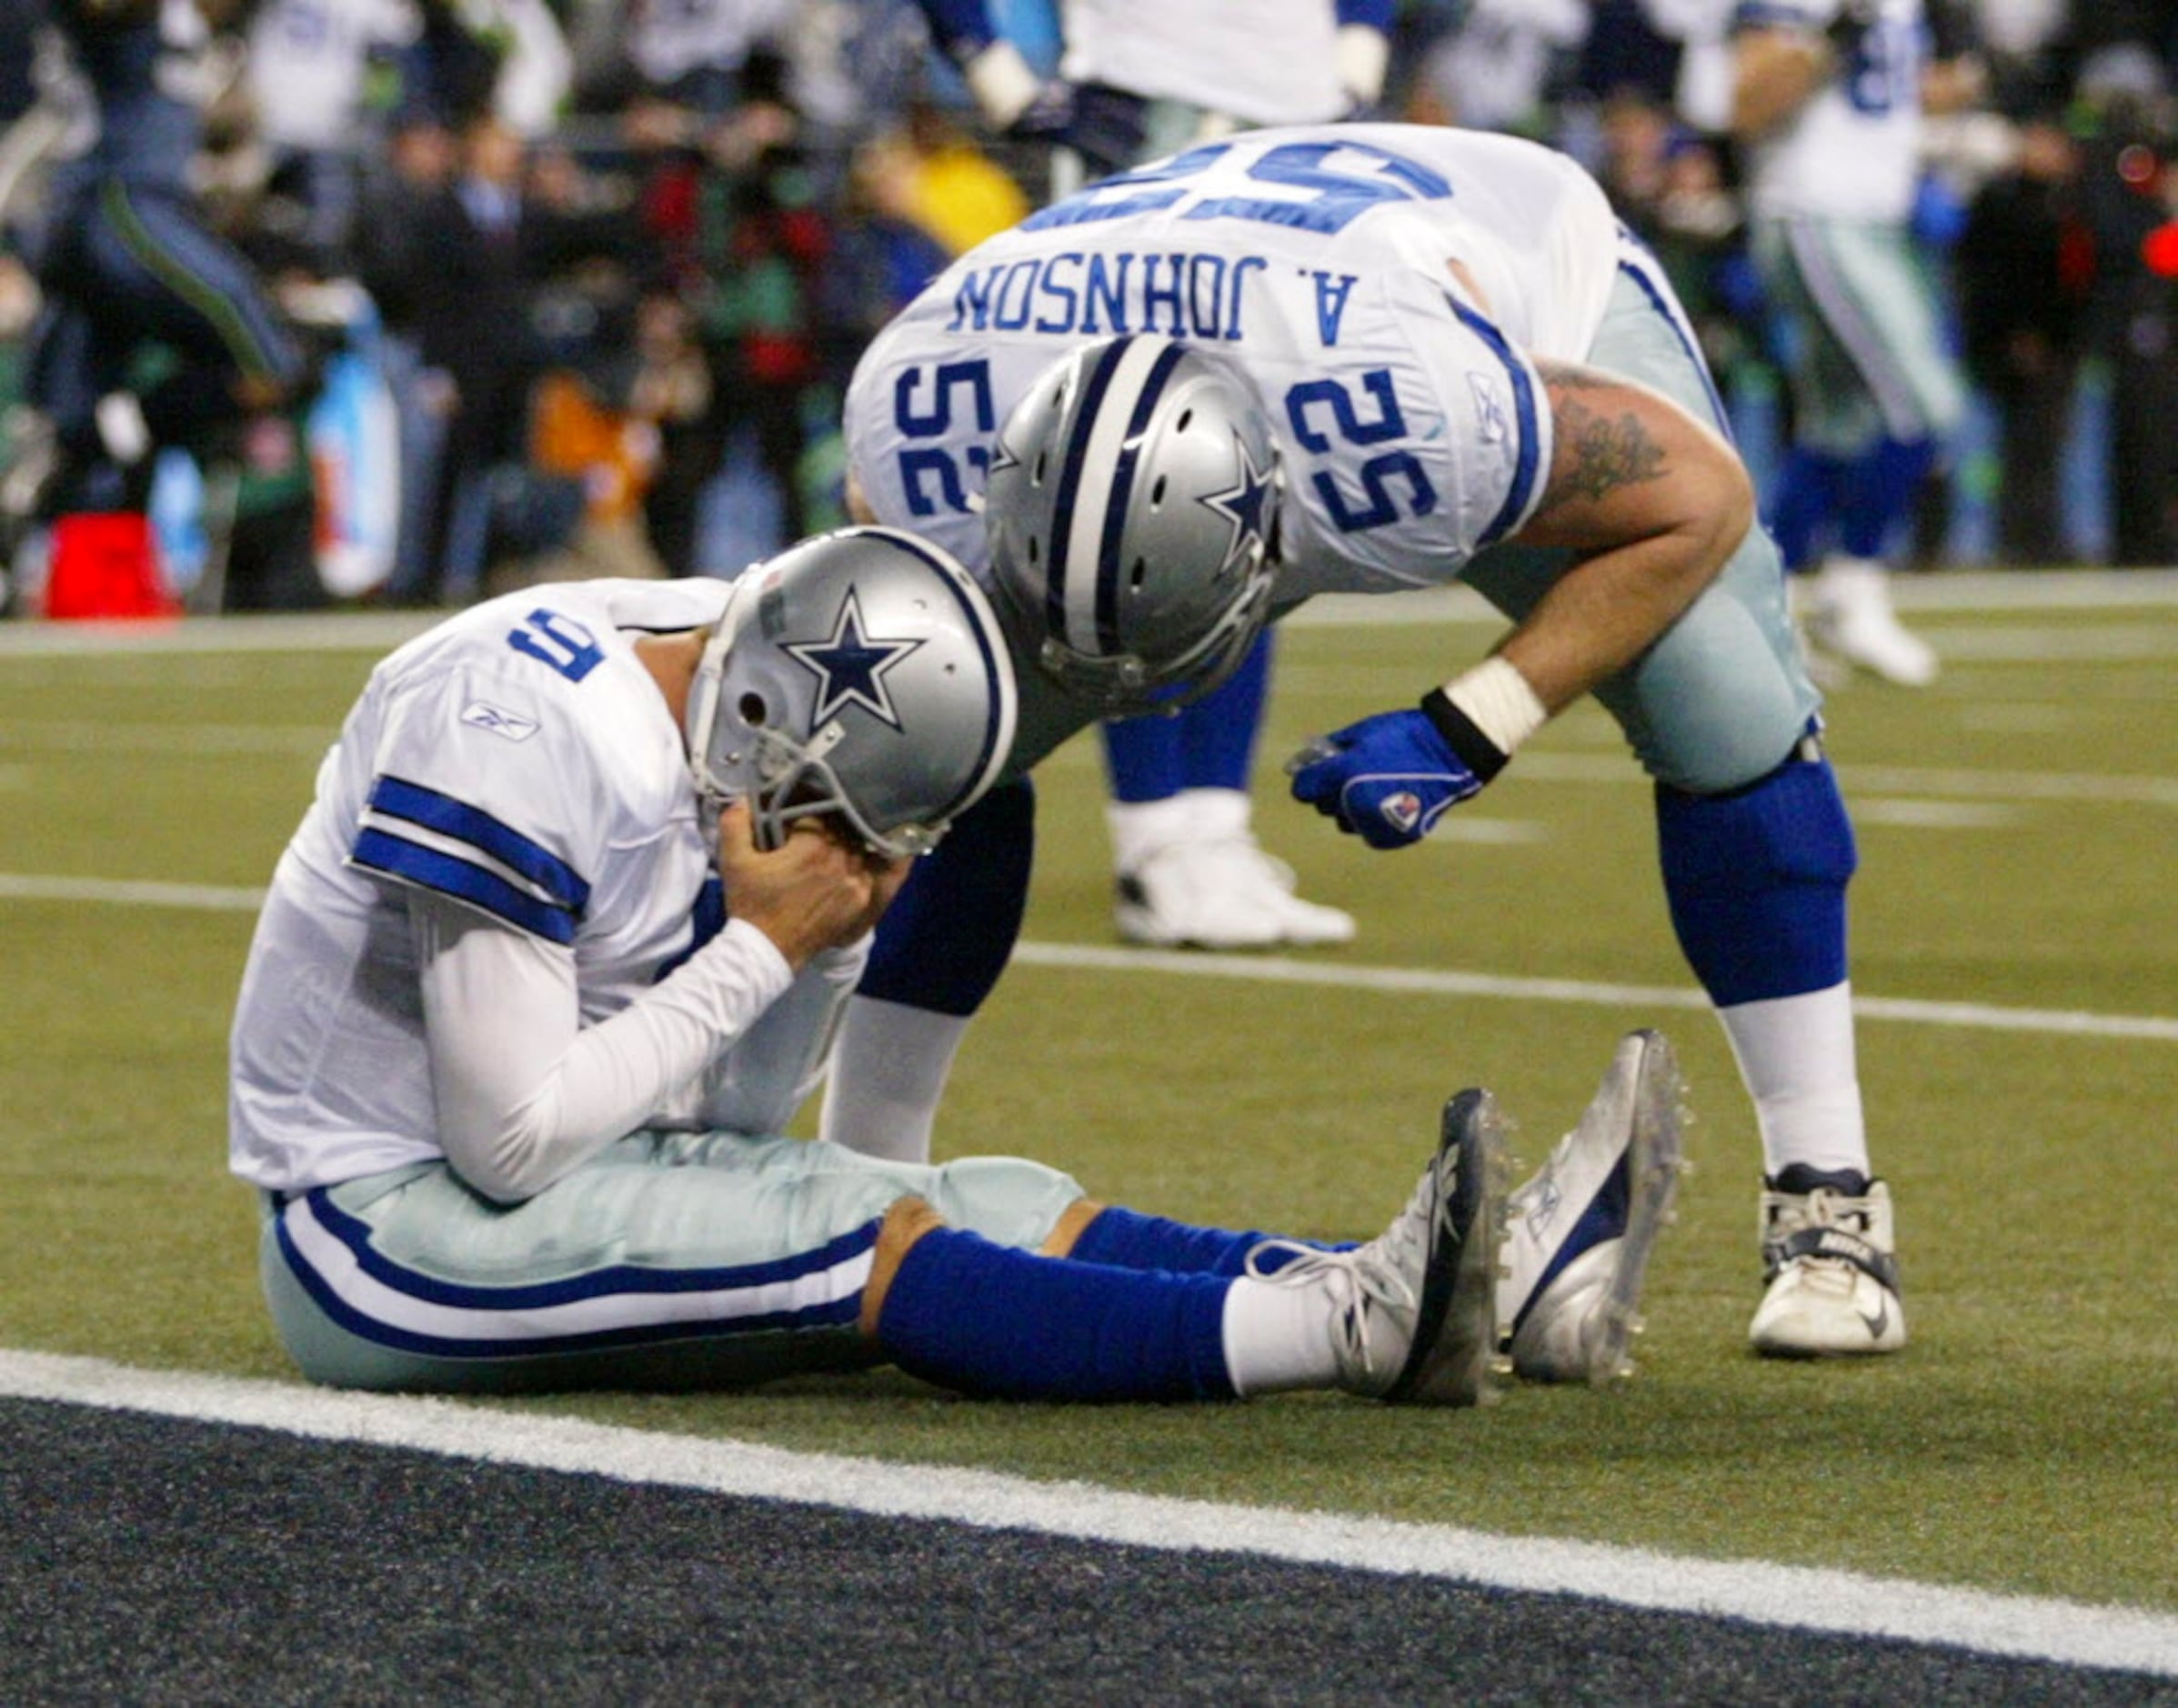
[1776, 70]
[1957, 85]
[1653, 500]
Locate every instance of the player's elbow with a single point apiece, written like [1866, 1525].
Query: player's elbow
[504, 1166]
[1733, 513]
[503, 1187]
[1719, 512]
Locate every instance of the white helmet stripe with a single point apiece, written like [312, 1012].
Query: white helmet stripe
[1096, 483]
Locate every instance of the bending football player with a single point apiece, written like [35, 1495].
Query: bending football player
[1363, 359]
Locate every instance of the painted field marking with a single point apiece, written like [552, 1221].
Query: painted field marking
[1797, 1596]
[1428, 981]
[1952, 590]
[1259, 968]
[1860, 781]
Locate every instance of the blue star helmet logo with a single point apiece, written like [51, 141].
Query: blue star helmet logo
[1243, 506]
[850, 665]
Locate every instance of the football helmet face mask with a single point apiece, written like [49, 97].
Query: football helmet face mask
[861, 674]
[1131, 506]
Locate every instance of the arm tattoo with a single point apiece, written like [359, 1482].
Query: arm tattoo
[1598, 454]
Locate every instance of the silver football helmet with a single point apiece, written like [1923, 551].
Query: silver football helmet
[1131, 505]
[861, 673]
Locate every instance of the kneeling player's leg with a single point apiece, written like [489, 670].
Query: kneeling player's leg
[940, 950]
[1756, 873]
[1756, 849]
[1187, 868]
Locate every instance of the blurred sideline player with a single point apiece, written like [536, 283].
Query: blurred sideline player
[1406, 355]
[127, 262]
[1827, 101]
[1139, 80]
[556, 953]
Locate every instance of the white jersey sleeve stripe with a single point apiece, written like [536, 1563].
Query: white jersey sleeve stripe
[399, 798]
[1521, 494]
[404, 830]
[469, 855]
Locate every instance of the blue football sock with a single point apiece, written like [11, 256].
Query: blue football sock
[1803, 506]
[1126, 1238]
[985, 1319]
[1144, 757]
[1756, 880]
[1877, 493]
[949, 933]
[1208, 745]
[1220, 732]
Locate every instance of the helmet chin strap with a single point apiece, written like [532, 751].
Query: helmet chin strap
[699, 714]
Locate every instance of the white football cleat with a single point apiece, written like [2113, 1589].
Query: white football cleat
[1850, 616]
[1267, 883]
[1830, 1265]
[1415, 1310]
[1220, 893]
[1579, 1234]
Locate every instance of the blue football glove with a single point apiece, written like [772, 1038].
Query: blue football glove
[1389, 779]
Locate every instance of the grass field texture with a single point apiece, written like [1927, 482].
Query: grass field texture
[2016, 955]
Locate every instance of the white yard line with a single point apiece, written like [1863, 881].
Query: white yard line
[1259, 968]
[1794, 1596]
[1538, 766]
[1958, 591]
[128, 892]
[1424, 982]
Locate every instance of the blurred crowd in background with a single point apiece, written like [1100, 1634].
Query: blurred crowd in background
[582, 280]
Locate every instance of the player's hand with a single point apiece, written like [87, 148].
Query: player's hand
[1104, 125]
[1387, 780]
[818, 889]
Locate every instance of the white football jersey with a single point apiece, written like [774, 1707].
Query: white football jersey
[1854, 150]
[666, 39]
[520, 758]
[1411, 424]
[306, 64]
[1269, 62]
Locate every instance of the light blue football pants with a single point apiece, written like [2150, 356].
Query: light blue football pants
[670, 1260]
[1722, 697]
[1858, 323]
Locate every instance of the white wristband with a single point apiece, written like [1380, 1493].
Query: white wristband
[1002, 82]
[1496, 699]
[1363, 54]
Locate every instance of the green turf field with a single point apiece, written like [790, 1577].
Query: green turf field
[2016, 945]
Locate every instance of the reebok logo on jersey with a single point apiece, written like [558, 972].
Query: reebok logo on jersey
[1490, 406]
[484, 715]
